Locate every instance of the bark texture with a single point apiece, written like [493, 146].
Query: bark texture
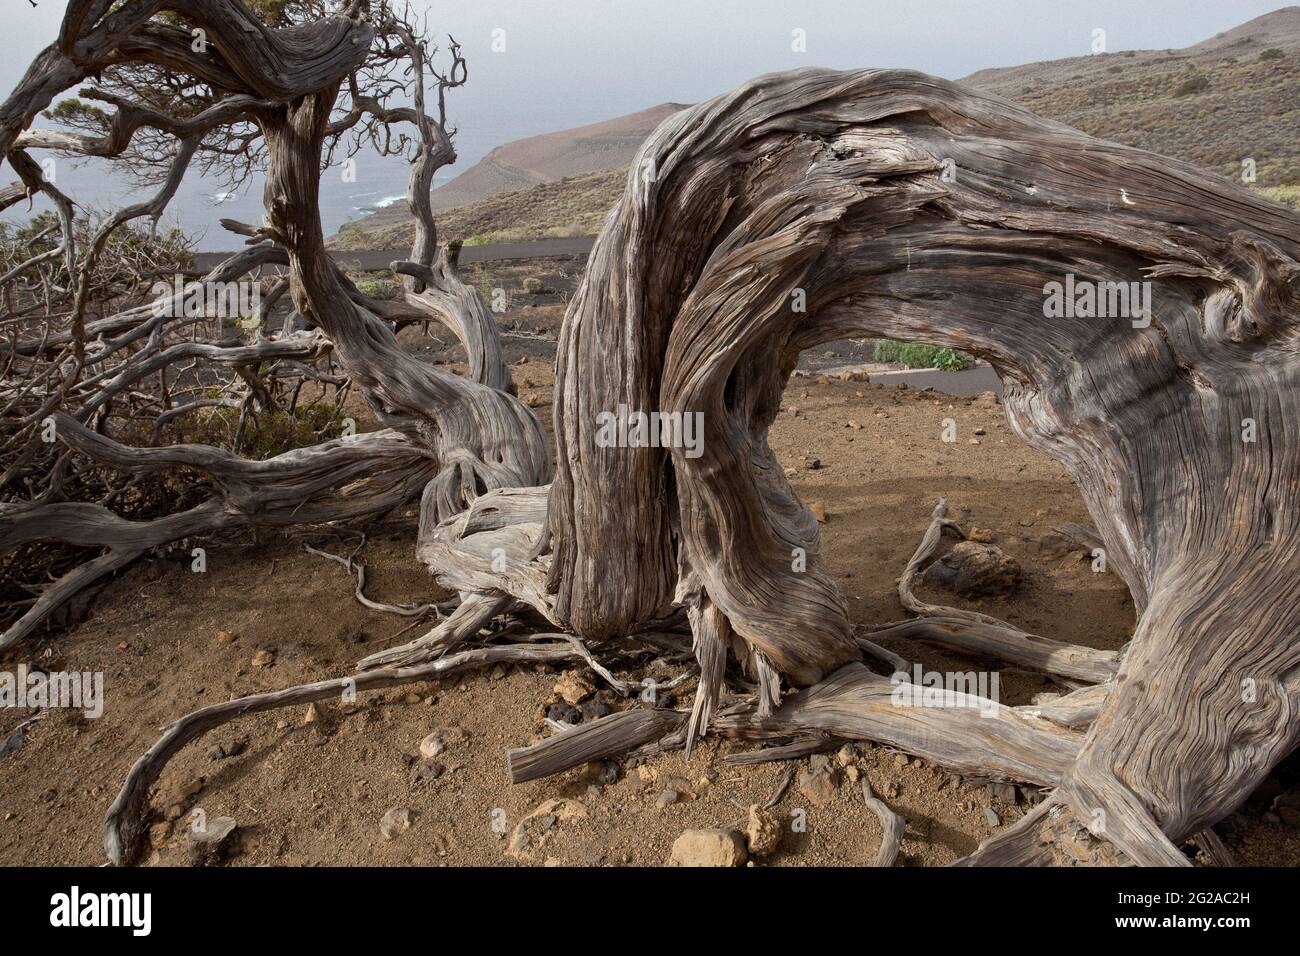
[815, 205]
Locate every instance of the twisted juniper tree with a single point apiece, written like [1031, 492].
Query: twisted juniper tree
[896, 205]
[281, 88]
[885, 203]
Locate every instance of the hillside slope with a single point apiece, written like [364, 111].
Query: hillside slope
[1225, 99]
[1214, 104]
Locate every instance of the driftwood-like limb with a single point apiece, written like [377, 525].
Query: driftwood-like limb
[483, 437]
[1075, 710]
[964, 732]
[939, 523]
[980, 634]
[896, 205]
[609, 736]
[1216, 851]
[1020, 844]
[710, 630]
[891, 826]
[461, 624]
[126, 821]
[803, 747]
[347, 478]
[1006, 643]
[359, 569]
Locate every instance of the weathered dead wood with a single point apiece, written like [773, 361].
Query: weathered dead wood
[1075, 710]
[896, 205]
[1004, 642]
[347, 478]
[610, 736]
[278, 86]
[803, 747]
[891, 826]
[963, 732]
[126, 821]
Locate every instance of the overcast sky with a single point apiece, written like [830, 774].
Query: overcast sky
[582, 60]
[571, 62]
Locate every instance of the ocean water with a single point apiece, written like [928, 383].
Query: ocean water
[373, 183]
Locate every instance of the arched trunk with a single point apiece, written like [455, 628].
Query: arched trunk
[814, 205]
[482, 436]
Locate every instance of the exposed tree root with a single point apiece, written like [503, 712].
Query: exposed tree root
[891, 825]
[126, 822]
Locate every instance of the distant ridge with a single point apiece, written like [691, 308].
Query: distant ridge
[1213, 104]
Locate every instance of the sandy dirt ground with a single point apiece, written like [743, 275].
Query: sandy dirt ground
[266, 615]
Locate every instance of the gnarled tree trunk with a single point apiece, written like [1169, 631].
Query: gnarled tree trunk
[814, 205]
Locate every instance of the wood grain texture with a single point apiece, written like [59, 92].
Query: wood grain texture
[902, 206]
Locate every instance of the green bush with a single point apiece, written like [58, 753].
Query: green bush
[920, 356]
[384, 289]
[1272, 53]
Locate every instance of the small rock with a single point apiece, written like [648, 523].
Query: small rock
[976, 570]
[818, 509]
[565, 713]
[763, 832]
[981, 535]
[263, 658]
[226, 637]
[573, 687]
[1006, 792]
[533, 400]
[536, 830]
[846, 755]
[425, 770]
[900, 760]
[12, 743]
[819, 783]
[312, 715]
[210, 844]
[991, 817]
[708, 848]
[1287, 807]
[453, 736]
[394, 823]
[432, 745]
[667, 797]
